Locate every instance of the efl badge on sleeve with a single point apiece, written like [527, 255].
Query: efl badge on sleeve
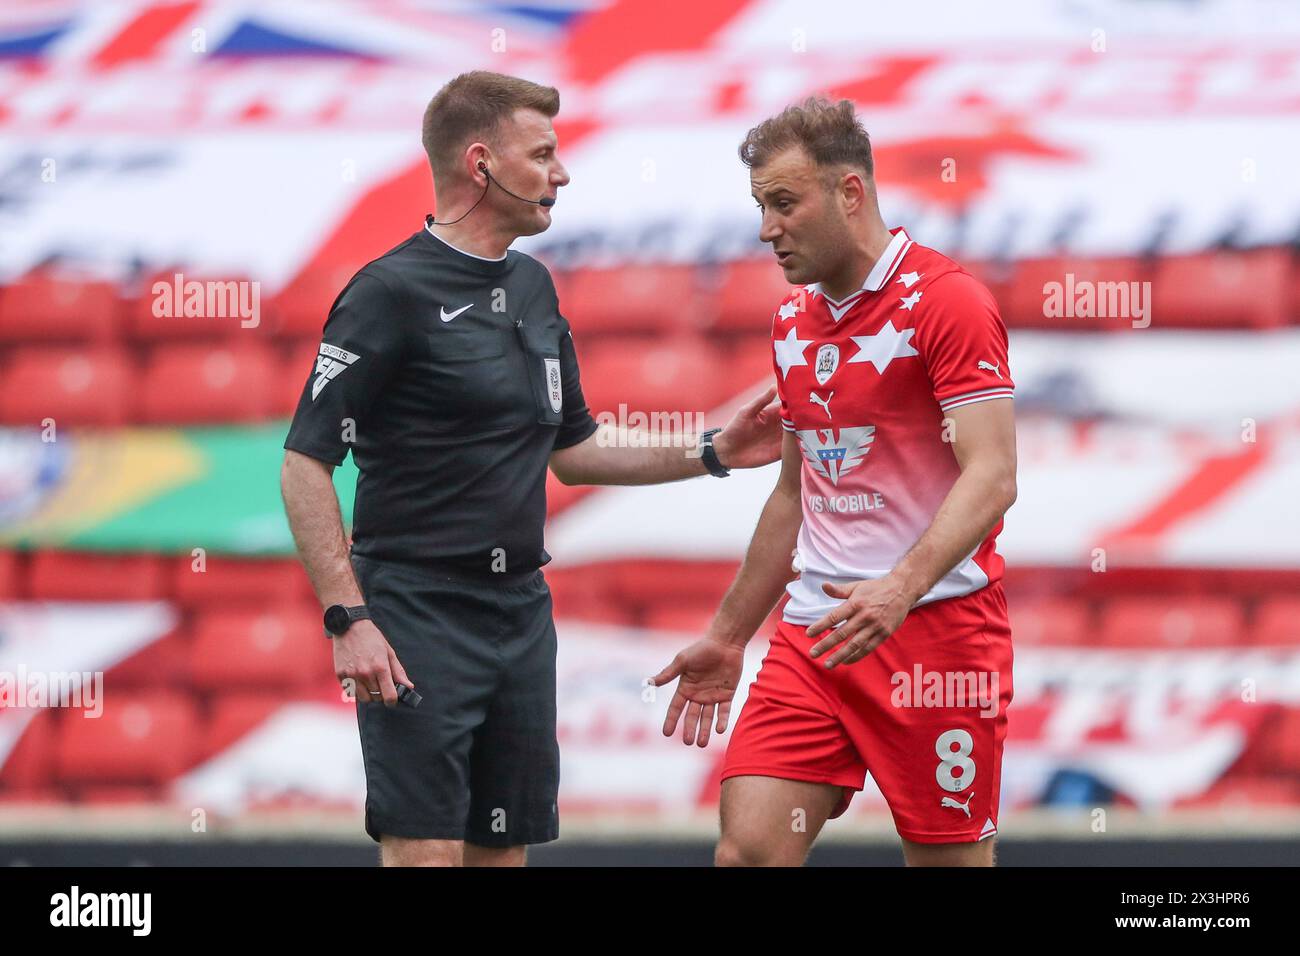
[553, 388]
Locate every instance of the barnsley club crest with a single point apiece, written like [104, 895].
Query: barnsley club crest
[833, 452]
[828, 360]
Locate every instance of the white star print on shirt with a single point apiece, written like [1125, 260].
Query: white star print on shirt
[911, 300]
[883, 347]
[788, 311]
[789, 352]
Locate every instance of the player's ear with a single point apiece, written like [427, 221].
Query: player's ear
[852, 192]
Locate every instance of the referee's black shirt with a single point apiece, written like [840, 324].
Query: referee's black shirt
[451, 378]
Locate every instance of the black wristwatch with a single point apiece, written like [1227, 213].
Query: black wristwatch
[339, 618]
[710, 455]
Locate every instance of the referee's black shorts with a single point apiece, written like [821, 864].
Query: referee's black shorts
[478, 760]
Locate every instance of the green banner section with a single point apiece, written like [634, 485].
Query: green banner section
[150, 489]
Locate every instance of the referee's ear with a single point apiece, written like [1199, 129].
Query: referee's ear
[478, 163]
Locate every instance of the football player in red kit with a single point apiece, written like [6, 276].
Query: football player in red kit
[893, 655]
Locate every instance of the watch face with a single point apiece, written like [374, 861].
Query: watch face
[337, 619]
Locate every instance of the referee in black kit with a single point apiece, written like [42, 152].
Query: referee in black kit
[448, 371]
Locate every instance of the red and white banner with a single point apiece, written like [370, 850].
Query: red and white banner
[237, 138]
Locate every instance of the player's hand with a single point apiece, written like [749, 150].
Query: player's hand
[710, 673]
[872, 610]
[365, 656]
[753, 436]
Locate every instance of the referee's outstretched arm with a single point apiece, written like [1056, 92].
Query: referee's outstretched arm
[363, 654]
[615, 456]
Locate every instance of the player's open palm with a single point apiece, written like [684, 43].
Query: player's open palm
[707, 673]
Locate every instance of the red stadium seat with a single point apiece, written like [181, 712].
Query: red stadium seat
[560, 496]
[1260, 754]
[46, 308]
[301, 308]
[51, 796]
[676, 375]
[226, 578]
[66, 575]
[573, 602]
[1222, 289]
[996, 276]
[746, 365]
[119, 795]
[295, 371]
[1024, 302]
[142, 738]
[563, 281]
[164, 663]
[1051, 621]
[73, 386]
[158, 311]
[693, 619]
[1276, 750]
[184, 384]
[1293, 293]
[233, 715]
[652, 583]
[1169, 623]
[752, 289]
[1277, 622]
[30, 764]
[636, 298]
[9, 589]
[274, 648]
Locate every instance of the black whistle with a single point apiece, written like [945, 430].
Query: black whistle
[408, 696]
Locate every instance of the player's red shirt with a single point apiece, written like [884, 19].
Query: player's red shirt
[865, 384]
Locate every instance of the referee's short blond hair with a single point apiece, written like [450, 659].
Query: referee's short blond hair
[472, 107]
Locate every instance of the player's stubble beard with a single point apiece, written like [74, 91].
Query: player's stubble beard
[824, 254]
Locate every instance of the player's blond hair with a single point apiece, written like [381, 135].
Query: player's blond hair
[829, 132]
[472, 107]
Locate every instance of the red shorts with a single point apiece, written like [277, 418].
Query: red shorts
[925, 713]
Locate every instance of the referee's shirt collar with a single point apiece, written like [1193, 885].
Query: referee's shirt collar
[466, 260]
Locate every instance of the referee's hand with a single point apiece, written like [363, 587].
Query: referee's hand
[753, 437]
[364, 655]
[710, 673]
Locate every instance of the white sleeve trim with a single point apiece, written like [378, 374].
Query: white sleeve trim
[970, 398]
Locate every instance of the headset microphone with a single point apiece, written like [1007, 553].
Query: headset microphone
[545, 202]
